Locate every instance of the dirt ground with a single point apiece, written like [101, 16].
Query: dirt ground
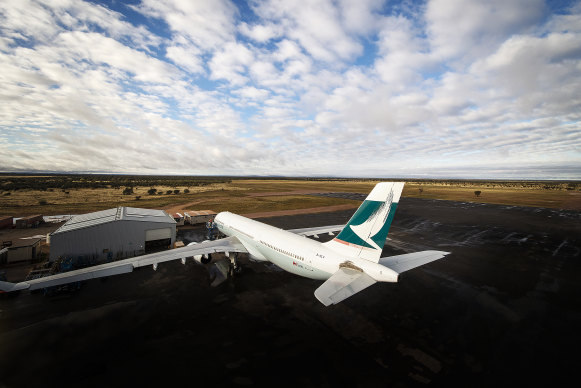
[172, 209]
[41, 231]
[502, 309]
[312, 210]
[293, 192]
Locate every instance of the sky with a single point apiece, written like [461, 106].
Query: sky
[346, 88]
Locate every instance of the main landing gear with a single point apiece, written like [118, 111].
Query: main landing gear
[234, 267]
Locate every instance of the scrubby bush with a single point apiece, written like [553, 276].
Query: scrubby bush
[477, 193]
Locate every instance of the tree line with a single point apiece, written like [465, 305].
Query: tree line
[65, 182]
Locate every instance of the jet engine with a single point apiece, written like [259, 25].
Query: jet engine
[202, 259]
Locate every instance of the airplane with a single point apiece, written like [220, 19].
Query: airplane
[348, 263]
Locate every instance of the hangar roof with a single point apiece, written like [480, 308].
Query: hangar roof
[117, 214]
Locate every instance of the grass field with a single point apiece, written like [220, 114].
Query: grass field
[75, 201]
[244, 205]
[240, 195]
[515, 195]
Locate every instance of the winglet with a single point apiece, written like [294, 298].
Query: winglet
[9, 287]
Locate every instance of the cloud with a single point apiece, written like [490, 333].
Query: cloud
[360, 16]
[39, 21]
[403, 55]
[526, 64]
[230, 63]
[188, 57]
[252, 93]
[102, 50]
[315, 25]
[261, 33]
[301, 88]
[205, 23]
[464, 30]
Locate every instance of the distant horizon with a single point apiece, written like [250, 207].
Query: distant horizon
[438, 89]
[387, 177]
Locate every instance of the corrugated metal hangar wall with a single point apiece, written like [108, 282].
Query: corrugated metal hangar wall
[113, 234]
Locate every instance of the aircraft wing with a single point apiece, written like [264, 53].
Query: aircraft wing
[318, 230]
[344, 283]
[230, 244]
[402, 263]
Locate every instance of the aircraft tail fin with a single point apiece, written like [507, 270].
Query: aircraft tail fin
[365, 234]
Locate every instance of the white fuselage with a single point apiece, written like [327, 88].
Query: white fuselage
[294, 253]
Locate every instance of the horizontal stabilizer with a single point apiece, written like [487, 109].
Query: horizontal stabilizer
[318, 230]
[402, 263]
[344, 283]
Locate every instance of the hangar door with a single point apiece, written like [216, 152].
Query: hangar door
[156, 239]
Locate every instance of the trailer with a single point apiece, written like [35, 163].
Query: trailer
[195, 217]
[29, 222]
[6, 222]
[179, 219]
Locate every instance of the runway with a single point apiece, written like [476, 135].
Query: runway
[504, 307]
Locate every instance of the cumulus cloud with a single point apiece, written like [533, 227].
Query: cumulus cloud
[464, 29]
[315, 25]
[206, 23]
[230, 63]
[403, 55]
[252, 93]
[188, 57]
[261, 32]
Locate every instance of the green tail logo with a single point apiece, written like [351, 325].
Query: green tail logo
[370, 224]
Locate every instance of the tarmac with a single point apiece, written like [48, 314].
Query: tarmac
[503, 308]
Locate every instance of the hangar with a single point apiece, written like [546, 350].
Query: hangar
[113, 234]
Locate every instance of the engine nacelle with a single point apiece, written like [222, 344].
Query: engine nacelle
[203, 259]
